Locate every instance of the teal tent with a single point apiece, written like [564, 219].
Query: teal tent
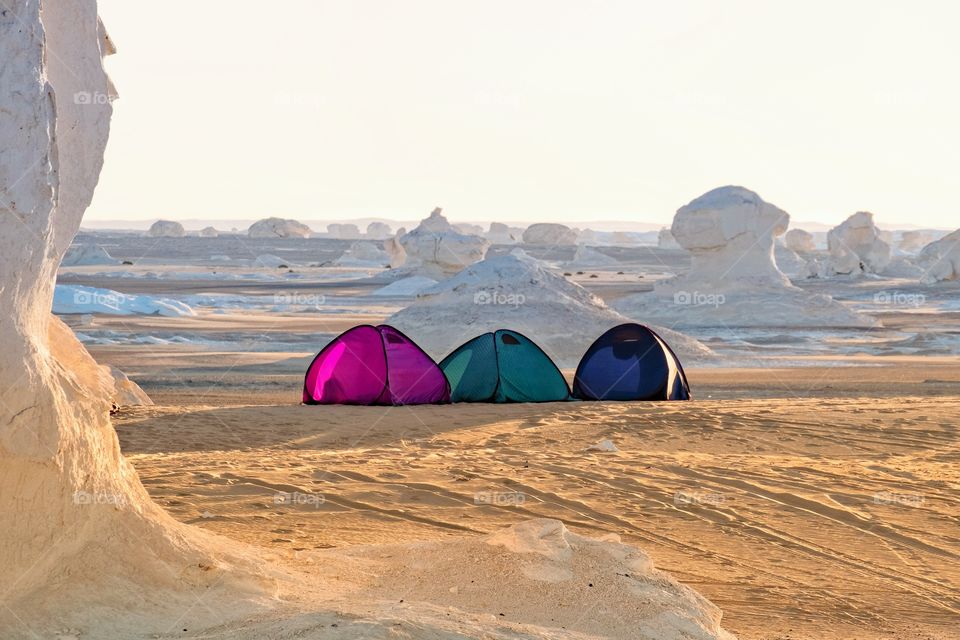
[504, 366]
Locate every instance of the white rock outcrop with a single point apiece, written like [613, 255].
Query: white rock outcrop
[856, 246]
[434, 249]
[87, 254]
[278, 228]
[913, 241]
[398, 255]
[550, 233]
[82, 543]
[166, 229]
[734, 280]
[209, 232]
[500, 233]
[363, 254]
[799, 241]
[347, 231]
[378, 231]
[665, 240]
[940, 260]
[519, 292]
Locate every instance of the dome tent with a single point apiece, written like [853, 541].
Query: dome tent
[503, 366]
[630, 362]
[369, 365]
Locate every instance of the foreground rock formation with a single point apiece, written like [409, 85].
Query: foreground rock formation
[940, 260]
[278, 228]
[166, 229]
[733, 278]
[81, 541]
[856, 246]
[519, 292]
[435, 249]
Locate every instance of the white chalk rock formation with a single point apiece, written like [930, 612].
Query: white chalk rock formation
[278, 228]
[733, 279]
[87, 254]
[378, 231]
[550, 233]
[665, 240]
[519, 292]
[913, 241]
[434, 249]
[940, 260]
[363, 254]
[343, 231]
[395, 250]
[800, 241]
[209, 232]
[500, 233]
[82, 543]
[468, 229]
[586, 257]
[788, 261]
[856, 246]
[166, 229]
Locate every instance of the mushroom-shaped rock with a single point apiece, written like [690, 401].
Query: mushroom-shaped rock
[799, 241]
[550, 233]
[733, 279]
[166, 229]
[730, 233]
[378, 230]
[856, 246]
[209, 232]
[940, 260]
[87, 254]
[436, 250]
[519, 292]
[278, 228]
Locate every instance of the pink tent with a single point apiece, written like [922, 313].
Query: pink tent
[374, 366]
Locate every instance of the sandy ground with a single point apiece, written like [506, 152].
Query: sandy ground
[819, 502]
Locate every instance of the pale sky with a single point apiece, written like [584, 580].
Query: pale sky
[530, 110]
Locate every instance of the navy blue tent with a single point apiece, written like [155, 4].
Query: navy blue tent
[630, 362]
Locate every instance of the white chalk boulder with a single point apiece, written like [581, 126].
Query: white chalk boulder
[549, 233]
[363, 254]
[500, 233]
[87, 254]
[913, 241]
[343, 231]
[940, 260]
[209, 232]
[166, 229]
[378, 231]
[436, 250]
[278, 228]
[734, 280]
[856, 246]
[799, 241]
